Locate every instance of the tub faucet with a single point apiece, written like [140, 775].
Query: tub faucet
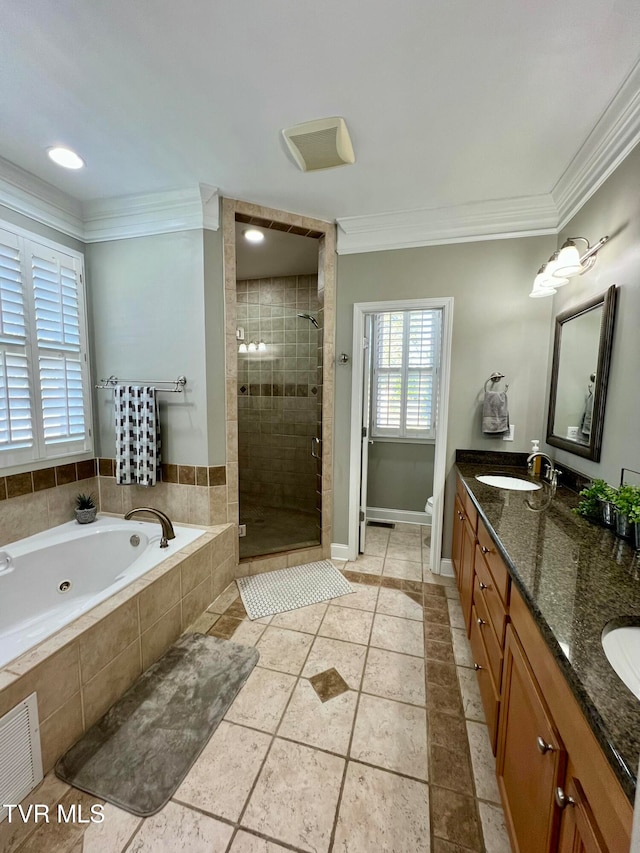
[167, 527]
[552, 471]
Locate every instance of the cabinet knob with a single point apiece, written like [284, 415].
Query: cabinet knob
[485, 550]
[563, 800]
[481, 622]
[477, 667]
[483, 585]
[544, 747]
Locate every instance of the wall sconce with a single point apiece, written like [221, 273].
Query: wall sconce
[563, 265]
[262, 346]
[242, 348]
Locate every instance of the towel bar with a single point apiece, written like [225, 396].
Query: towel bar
[179, 383]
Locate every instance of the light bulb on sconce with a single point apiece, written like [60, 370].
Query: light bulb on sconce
[262, 346]
[563, 265]
[242, 347]
[252, 347]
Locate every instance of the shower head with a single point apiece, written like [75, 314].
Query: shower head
[310, 318]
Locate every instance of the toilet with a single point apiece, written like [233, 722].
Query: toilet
[428, 507]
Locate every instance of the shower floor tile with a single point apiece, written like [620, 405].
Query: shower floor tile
[364, 770]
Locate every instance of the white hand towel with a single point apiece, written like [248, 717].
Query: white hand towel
[495, 412]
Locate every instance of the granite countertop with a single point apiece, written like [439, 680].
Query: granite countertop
[576, 578]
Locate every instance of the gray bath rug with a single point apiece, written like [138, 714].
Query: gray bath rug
[137, 755]
[287, 589]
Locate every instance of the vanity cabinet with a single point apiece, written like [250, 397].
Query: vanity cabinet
[558, 790]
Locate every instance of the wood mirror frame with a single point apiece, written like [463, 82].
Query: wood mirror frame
[593, 449]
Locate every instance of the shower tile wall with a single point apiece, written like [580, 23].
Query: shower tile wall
[279, 394]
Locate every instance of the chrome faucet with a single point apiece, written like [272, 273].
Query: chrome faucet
[552, 471]
[167, 527]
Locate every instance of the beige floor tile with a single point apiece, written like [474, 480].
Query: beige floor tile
[364, 597]
[461, 648]
[284, 650]
[483, 762]
[177, 829]
[496, 839]
[394, 676]
[405, 550]
[225, 599]
[343, 623]
[305, 619]
[365, 563]
[221, 779]
[347, 658]
[443, 580]
[405, 528]
[262, 700]
[470, 690]
[375, 543]
[395, 602]
[456, 617]
[398, 635]
[391, 735]
[326, 725]
[245, 842]
[296, 796]
[248, 633]
[380, 811]
[402, 569]
[113, 834]
[451, 591]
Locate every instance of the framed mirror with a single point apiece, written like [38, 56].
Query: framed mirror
[580, 374]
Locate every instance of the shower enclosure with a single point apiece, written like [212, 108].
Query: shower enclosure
[279, 413]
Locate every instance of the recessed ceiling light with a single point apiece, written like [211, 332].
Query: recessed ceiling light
[253, 235]
[66, 157]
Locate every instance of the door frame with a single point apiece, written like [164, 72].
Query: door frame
[357, 391]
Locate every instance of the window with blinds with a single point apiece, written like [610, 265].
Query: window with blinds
[406, 351]
[44, 387]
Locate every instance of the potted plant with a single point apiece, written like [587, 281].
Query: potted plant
[597, 502]
[85, 509]
[626, 502]
[634, 518]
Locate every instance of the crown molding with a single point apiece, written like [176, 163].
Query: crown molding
[189, 209]
[26, 194]
[484, 220]
[142, 215]
[614, 136]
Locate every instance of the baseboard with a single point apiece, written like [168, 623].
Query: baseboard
[339, 552]
[375, 513]
[446, 568]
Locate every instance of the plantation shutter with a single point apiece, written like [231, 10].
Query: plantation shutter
[57, 321]
[44, 396]
[16, 419]
[406, 349]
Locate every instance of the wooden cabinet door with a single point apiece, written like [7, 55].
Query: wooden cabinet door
[579, 832]
[467, 561]
[456, 544]
[530, 758]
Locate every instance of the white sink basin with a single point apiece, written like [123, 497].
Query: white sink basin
[500, 481]
[622, 648]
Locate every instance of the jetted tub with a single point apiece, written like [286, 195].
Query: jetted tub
[52, 578]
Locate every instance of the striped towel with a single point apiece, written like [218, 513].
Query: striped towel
[137, 435]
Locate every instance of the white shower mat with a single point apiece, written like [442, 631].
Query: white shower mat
[288, 589]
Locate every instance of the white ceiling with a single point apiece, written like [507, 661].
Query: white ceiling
[279, 254]
[448, 103]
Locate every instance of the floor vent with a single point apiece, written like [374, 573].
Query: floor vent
[20, 755]
[388, 524]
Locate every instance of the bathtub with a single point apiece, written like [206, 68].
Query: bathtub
[52, 578]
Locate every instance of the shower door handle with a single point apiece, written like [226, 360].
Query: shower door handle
[315, 445]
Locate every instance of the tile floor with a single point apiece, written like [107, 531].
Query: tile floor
[360, 730]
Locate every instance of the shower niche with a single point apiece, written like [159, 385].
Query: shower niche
[279, 391]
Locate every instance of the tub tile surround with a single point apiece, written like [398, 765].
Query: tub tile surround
[82, 670]
[38, 500]
[362, 771]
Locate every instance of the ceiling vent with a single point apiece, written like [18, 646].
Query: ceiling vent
[320, 144]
